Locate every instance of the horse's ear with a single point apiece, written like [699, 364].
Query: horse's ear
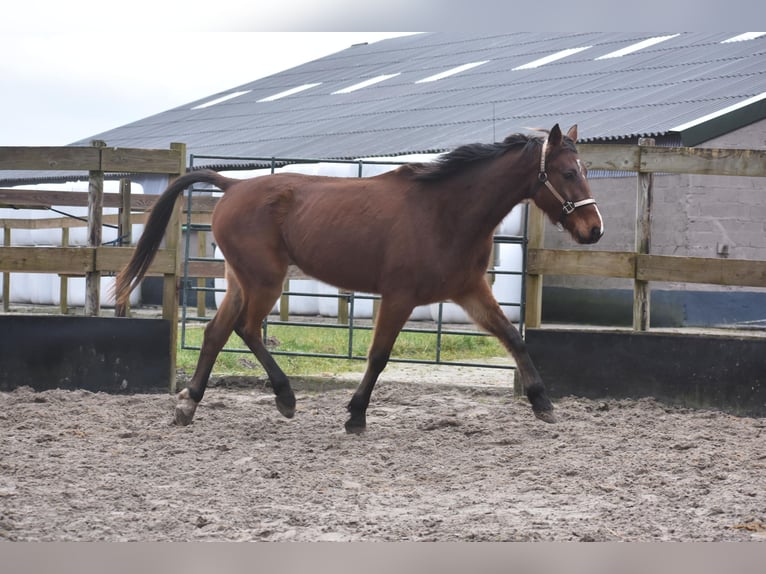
[572, 133]
[554, 137]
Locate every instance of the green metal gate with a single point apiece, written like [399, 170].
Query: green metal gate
[439, 330]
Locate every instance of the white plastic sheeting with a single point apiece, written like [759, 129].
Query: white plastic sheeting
[45, 288]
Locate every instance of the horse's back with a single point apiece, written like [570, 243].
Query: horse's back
[335, 229]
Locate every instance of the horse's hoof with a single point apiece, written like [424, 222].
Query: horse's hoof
[354, 427]
[546, 416]
[184, 409]
[287, 410]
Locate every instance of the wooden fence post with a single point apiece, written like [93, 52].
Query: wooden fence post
[171, 282]
[284, 301]
[124, 230]
[343, 306]
[533, 307]
[63, 278]
[6, 275]
[641, 292]
[201, 281]
[95, 215]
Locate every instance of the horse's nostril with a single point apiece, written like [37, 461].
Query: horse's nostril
[595, 234]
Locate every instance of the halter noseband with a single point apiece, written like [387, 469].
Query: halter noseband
[567, 206]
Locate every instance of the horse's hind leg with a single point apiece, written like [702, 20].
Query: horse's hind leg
[259, 303]
[216, 334]
[482, 307]
[391, 318]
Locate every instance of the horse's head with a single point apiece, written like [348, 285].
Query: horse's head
[563, 192]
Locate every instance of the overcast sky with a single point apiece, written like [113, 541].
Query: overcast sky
[62, 87]
[70, 69]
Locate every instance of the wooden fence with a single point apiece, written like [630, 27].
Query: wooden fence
[639, 265]
[95, 259]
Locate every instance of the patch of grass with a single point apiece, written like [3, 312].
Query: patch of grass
[322, 340]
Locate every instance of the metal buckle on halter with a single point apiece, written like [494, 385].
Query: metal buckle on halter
[542, 177]
[568, 207]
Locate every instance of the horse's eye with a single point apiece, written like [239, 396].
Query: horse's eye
[570, 174]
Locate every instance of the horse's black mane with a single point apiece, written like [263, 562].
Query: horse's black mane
[470, 154]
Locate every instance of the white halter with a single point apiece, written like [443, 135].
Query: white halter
[567, 205]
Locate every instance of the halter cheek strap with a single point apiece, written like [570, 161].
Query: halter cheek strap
[566, 205]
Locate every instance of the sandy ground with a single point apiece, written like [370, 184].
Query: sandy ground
[439, 462]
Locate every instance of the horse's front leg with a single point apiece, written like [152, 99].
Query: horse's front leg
[482, 307]
[392, 316]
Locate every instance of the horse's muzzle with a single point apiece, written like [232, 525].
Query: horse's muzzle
[596, 233]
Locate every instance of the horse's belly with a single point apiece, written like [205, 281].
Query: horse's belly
[342, 270]
[350, 248]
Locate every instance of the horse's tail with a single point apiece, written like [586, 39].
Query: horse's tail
[129, 278]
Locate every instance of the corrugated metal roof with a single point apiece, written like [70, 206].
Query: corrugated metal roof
[647, 92]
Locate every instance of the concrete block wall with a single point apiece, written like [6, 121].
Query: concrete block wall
[693, 216]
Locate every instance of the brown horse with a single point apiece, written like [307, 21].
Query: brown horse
[416, 235]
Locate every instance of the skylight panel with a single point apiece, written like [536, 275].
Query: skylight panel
[636, 47]
[451, 72]
[366, 83]
[289, 92]
[220, 99]
[743, 37]
[551, 58]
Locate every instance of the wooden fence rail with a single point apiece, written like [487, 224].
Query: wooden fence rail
[95, 158]
[626, 265]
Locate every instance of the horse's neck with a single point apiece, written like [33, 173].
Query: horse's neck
[492, 191]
